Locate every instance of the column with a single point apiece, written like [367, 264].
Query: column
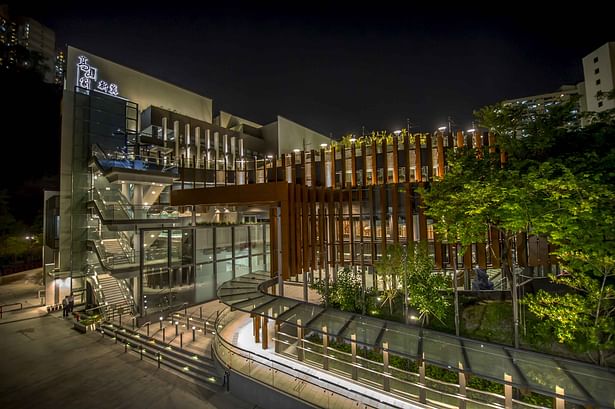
[508, 392]
[300, 354]
[197, 141]
[187, 145]
[385, 367]
[176, 134]
[462, 387]
[165, 129]
[126, 190]
[353, 351]
[325, 348]
[265, 334]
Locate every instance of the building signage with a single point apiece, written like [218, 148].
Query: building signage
[87, 77]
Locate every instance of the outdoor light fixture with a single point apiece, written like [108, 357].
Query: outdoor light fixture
[471, 130]
[296, 150]
[323, 145]
[442, 128]
[397, 132]
[269, 156]
[353, 140]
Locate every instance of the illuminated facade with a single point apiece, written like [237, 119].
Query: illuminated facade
[126, 140]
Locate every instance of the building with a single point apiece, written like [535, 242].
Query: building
[128, 140]
[542, 102]
[599, 73]
[25, 32]
[599, 77]
[161, 201]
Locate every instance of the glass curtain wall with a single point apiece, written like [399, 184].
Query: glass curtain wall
[188, 265]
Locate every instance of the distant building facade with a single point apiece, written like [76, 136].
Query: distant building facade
[599, 76]
[17, 32]
[599, 73]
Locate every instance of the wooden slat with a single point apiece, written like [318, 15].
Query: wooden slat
[429, 150]
[395, 159]
[494, 245]
[407, 155]
[481, 255]
[385, 162]
[409, 204]
[374, 163]
[422, 220]
[363, 165]
[383, 218]
[332, 155]
[394, 213]
[343, 160]
[460, 142]
[440, 147]
[418, 162]
[353, 165]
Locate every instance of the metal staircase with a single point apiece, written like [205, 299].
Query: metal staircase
[112, 295]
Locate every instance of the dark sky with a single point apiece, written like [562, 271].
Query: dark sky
[338, 68]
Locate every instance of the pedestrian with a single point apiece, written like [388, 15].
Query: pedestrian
[65, 306]
[71, 303]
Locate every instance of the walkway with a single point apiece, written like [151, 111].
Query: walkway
[46, 364]
[578, 382]
[310, 384]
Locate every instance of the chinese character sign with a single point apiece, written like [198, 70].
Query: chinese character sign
[87, 77]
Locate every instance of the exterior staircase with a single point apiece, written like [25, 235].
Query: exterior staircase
[114, 249]
[112, 296]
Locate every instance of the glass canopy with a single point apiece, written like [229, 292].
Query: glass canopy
[582, 382]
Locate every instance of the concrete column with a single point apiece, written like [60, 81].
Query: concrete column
[216, 149]
[241, 147]
[187, 144]
[137, 193]
[176, 133]
[276, 335]
[300, 354]
[208, 148]
[165, 129]
[197, 141]
[126, 190]
[508, 392]
[353, 351]
[325, 346]
[385, 367]
[233, 157]
[422, 392]
[560, 402]
[462, 387]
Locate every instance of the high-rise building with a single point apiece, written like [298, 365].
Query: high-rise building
[599, 73]
[599, 76]
[32, 36]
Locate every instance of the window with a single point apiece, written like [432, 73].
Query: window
[598, 81]
[597, 70]
[595, 60]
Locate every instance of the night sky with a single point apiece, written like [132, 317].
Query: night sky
[338, 68]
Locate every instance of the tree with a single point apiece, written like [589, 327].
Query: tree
[579, 219]
[346, 293]
[389, 269]
[424, 286]
[477, 193]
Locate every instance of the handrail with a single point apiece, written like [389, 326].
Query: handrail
[8, 305]
[293, 372]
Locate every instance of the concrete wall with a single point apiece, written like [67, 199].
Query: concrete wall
[606, 76]
[141, 88]
[228, 120]
[291, 136]
[132, 85]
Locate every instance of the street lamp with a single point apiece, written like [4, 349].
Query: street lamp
[29, 238]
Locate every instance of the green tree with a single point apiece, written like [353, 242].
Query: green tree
[579, 219]
[345, 293]
[425, 287]
[389, 269]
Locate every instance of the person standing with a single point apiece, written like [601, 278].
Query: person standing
[65, 307]
[71, 303]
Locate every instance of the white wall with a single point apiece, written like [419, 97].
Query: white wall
[606, 75]
[291, 136]
[141, 88]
